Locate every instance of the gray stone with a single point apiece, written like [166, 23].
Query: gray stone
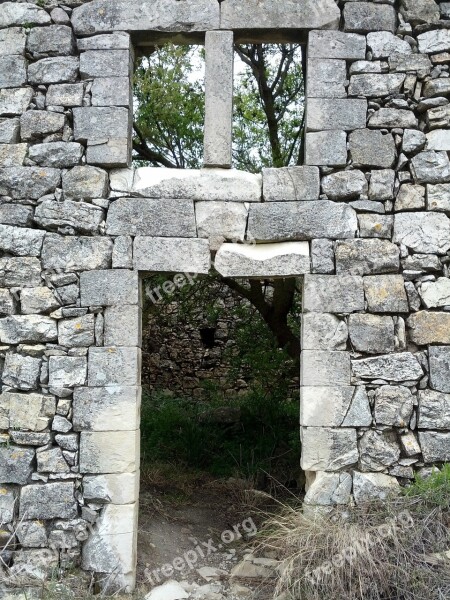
[78, 332]
[286, 259]
[85, 183]
[366, 16]
[27, 411]
[434, 410]
[109, 152]
[122, 257]
[14, 101]
[391, 367]
[382, 185]
[20, 272]
[438, 139]
[326, 449]
[54, 70]
[365, 66]
[100, 123]
[114, 366]
[12, 41]
[438, 197]
[327, 78]
[56, 40]
[366, 257]
[76, 253]
[376, 226]
[82, 216]
[372, 334]
[119, 489]
[16, 214]
[393, 117]
[372, 149]
[114, 41]
[435, 446]
[329, 489]
[323, 331]
[7, 504]
[12, 155]
[9, 131]
[14, 13]
[333, 294]
[106, 409]
[383, 44]
[345, 185]
[109, 288]
[221, 221]
[111, 91]
[8, 304]
[420, 11]
[370, 486]
[386, 294]
[283, 221]
[325, 368]
[21, 372]
[322, 256]
[13, 71]
[152, 217]
[327, 148]
[61, 424]
[436, 293]
[439, 357]
[335, 44]
[422, 262]
[342, 114]
[434, 41]
[67, 441]
[51, 461]
[36, 124]
[37, 300]
[429, 328]
[413, 140]
[65, 94]
[291, 184]
[60, 16]
[32, 534]
[48, 501]
[393, 406]
[373, 85]
[427, 233]
[436, 88]
[123, 326]
[105, 63]
[413, 296]
[67, 371]
[16, 464]
[27, 328]
[344, 406]
[56, 154]
[431, 167]
[409, 444]
[378, 450]
[410, 197]
[21, 241]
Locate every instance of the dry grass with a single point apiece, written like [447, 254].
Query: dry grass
[380, 551]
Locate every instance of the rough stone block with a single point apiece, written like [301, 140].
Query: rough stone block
[111, 91]
[20, 272]
[61, 155]
[420, 11]
[37, 300]
[386, 294]
[21, 241]
[326, 78]
[16, 464]
[67, 371]
[438, 197]
[123, 326]
[431, 167]
[393, 406]
[77, 332]
[114, 366]
[326, 449]
[85, 182]
[345, 185]
[372, 334]
[21, 372]
[109, 153]
[106, 409]
[325, 368]
[378, 450]
[161, 254]
[436, 293]
[56, 40]
[12, 155]
[439, 357]
[342, 114]
[434, 410]
[14, 101]
[389, 118]
[366, 257]
[76, 253]
[36, 124]
[122, 257]
[27, 328]
[422, 232]
[410, 197]
[384, 44]
[120, 488]
[48, 501]
[376, 226]
[13, 71]
[326, 148]
[152, 217]
[105, 63]
[221, 221]
[284, 221]
[429, 328]
[12, 41]
[8, 304]
[329, 489]
[323, 331]
[372, 149]
[9, 131]
[291, 184]
[100, 123]
[14, 13]
[287, 259]
[434, 41]
[82, 216]
[333, 294]
[334, 407]
[109, 451]
[370, 486]
[7, 504]
[28, 411]
[114, 41]
[335, 44]
[322, 256]
[435, 446]
[65, 94]
[374, 85]
[54, 70]
[367, 16]
[109, 288]
[399, 367]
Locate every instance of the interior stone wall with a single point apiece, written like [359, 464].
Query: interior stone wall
[366, 220]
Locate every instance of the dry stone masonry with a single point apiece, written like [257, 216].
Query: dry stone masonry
[366, 220]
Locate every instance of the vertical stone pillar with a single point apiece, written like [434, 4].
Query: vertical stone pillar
[219, 99]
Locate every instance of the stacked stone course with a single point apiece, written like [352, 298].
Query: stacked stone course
[366, 220]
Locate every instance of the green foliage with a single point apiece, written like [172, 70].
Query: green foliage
[433, 491]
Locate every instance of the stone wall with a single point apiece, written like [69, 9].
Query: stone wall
[366, 220]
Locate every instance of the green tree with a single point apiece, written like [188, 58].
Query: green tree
[268, 132]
